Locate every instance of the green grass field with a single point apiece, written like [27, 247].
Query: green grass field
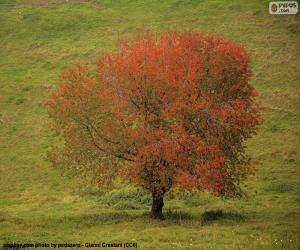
[37, 205]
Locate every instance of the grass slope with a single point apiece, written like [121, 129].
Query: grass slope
[39, 38]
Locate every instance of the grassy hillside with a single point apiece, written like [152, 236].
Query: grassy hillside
[39, 38]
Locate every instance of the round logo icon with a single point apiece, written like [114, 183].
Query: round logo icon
[274, 7]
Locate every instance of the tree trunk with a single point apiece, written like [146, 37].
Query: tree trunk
[157, 205]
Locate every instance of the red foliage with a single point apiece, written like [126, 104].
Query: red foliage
[176, 109]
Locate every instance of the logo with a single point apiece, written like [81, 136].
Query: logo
[274, 7]
[283, 8]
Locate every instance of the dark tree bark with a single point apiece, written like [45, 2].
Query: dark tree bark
[157, 205]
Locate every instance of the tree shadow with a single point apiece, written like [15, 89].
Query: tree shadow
[171, 215]
[177, 215]
[207, 218]
[89, 220]
[219, 215]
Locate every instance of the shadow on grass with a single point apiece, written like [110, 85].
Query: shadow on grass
[89, 220]
[219, 215]
[207, 218]
[177, 215]
[171, 215]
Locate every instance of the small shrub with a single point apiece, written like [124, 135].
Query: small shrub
[2, 217]
[20, 101]
[26, 88]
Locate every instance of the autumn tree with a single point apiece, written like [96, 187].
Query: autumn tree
[160, 112]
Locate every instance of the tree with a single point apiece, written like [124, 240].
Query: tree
[172, 111]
